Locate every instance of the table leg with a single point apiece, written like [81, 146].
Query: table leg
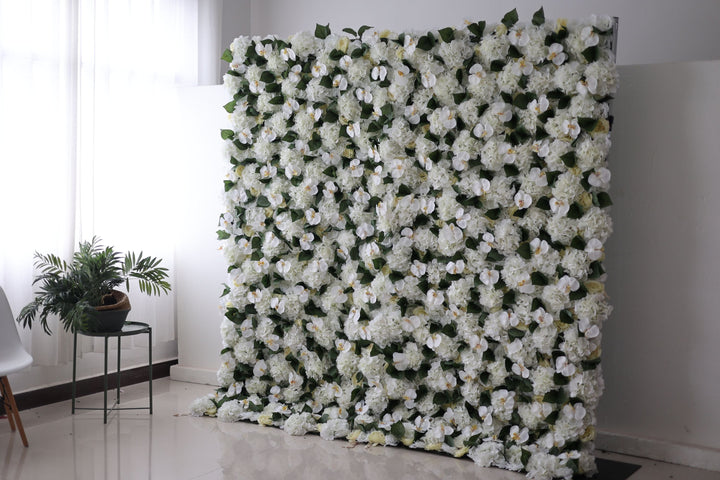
[74, 370]
[151, 366]
[117, 397]
[105, 382]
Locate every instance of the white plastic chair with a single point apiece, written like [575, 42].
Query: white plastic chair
[13, 358]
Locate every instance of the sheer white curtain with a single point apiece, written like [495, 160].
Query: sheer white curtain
[84, 85]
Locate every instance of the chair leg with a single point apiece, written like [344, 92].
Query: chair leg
[13, 410]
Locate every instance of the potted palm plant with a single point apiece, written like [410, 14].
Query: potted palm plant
[82, 292]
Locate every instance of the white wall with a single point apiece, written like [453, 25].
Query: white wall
[662, 370]
[660, 365]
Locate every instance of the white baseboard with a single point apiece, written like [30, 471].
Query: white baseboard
[193, 375]
[678, 453]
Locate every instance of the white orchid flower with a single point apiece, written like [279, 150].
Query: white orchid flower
[508, 152]
[522, 66]
[521, 370]
[353, 130]
[402, 74]
[428, 79]
[287, 53]
[485, 414]
[409, 398]
[589, 36]
[434, 341]
[559, 207]
[257, 87]
[317, 266]
[594, 249]
[364, 230]
[478, 344]
[376, 176]
[425, 162]
[538, 177]
[564, 367]
[356, 168]
[447, 117]
[397, 168]
[345, 62]
[568, 284]
[409, 45]
[354, 314]
[295, 380]
[588, 329]
[263, 50]
[502, 111]
[245, 136]
[427, 205]
[418, 268]
[342, 345]
[313, 217]
[451, 233]
[508, 319]
[539, 105]
[306, 241]
[556, 54]
[476, 74]
[455, 268]
[461, 218]
[541, 148]
[539, 247]
[315, 113]
[368, 296]
[461, 161]
[519, 38]
[524, 284]
[519, 436]
[481, 186]
[489, 277]
[435, 297]
[291, 105]
[363, 95]
[330, 158]
[273, 342]
[340, 82]
[255, 296]
[543, 318]
[260, 368]
[412, 114]
[488, 242]
[295, 73]
[244, 246]
[371, 36]
[278, 304]
[361, 196]
[577, 412]
[302, 293]
[600, 178]
[522, 200]
[319, 70]
[410, 324]
[588, 86]
[268, 171]
[268, 134]
[378, 73]
[364, 333]
[271, 240]
[483, 130]
[400, 361]
[283, 266]
[571, 128]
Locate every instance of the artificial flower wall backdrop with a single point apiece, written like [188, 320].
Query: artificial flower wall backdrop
[414, 231]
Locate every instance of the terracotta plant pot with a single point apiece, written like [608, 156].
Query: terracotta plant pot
[111, 316]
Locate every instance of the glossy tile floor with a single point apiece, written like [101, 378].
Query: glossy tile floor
[172, 445]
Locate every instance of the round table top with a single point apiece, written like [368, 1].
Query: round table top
[130, 328]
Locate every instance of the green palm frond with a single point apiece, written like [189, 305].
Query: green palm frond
[71, 290]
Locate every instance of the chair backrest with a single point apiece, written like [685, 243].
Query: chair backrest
[9, 338]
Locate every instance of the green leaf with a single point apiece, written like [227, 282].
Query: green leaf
[510, 18]
[230, 106]
[578, 243]
[575, 211]
[566, 317]
[397, 430]
[226, 134]
[305, 255]
[591, 54]
[229, 184]
[604, 200]
[524, 251]
[322, 31]
[262, 201]
[514, 333]
[477, 29]
[222, 235]
[447, 34]
[588, 124]
[497, 65]
[569, 159]
[426, 42]
[350, 31]
[538, 278]
[267, 76]
[227, 55]
[363, 29]
[277, 100]
[538, 17]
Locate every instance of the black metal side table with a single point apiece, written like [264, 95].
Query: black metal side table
[129, 329]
